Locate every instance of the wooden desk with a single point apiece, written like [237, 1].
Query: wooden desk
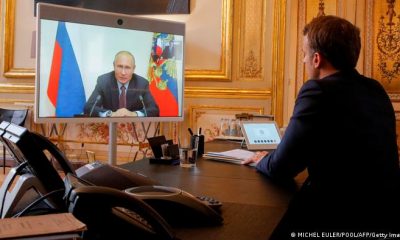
[252, 204]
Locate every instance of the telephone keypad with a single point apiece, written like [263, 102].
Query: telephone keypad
[210, 201]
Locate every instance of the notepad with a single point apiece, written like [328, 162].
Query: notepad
[51, 226]
[235, 156]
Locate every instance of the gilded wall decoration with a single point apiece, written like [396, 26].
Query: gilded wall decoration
[386, 45]
[252, 68]
[252, 19]
[11, 70]
[321, 8]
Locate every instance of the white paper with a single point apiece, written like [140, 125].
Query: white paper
[236, 153]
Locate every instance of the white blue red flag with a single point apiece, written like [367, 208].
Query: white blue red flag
[65, 90]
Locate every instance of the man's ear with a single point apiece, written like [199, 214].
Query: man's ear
[317, 60]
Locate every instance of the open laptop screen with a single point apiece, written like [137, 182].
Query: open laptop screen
[261, 135]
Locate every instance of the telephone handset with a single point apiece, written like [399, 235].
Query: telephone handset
[45, 144]
[113, 214]
[30, 147]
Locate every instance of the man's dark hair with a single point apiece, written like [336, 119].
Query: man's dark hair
[336, 39]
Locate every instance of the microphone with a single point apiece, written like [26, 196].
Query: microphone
[144, 106]
[94, 105]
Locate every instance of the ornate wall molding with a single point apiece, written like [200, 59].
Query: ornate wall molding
[368, 40]
[386, 44]
[228, 93]
[252, 68]
[300, 65]
[224, 73]
[8, 56]
[394, 97]
[16, 101]
[13, 88]
[278, 56]
[251, 40]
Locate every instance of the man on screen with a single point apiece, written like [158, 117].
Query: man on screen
[121, 92]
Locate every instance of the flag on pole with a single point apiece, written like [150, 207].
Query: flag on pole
[162, 75]
[65, 90]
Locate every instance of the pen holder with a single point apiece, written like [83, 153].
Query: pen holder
[200, 148]
[197, 141]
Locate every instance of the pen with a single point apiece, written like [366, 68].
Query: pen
[199, 131]
[190, 131]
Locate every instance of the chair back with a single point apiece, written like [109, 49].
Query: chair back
[16, 116]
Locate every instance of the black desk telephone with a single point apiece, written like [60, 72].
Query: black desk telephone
[113, 214]
[142, 212]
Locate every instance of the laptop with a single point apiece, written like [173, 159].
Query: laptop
[263, 135]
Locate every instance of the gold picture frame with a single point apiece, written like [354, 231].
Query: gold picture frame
[222, 74]
[9, 70]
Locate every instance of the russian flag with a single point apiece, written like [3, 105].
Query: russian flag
[65, 90]
[162, 77]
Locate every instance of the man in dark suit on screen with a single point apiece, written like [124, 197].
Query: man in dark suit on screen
[122, 93]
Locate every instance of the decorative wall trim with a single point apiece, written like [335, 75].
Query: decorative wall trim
[251, 40]
[385, 45]
[368, 40]
[252, 68]
[8, 61]
[388, 47]
[224, 73]
[341, 8]
[300, 65]
[198, 92]
[15, 101]
[10, 88]
[394, 97]
[278, 65]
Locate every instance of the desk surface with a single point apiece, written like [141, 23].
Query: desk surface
[252, 204]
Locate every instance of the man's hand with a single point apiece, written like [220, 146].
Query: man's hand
[123, 112]
[256, 157]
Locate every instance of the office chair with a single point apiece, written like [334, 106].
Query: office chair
[16, 116]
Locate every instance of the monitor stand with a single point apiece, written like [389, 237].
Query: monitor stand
[112, 143]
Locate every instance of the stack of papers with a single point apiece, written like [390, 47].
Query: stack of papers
[235, 156]
[51, 226]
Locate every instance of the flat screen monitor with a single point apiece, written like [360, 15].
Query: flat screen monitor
[107, 67]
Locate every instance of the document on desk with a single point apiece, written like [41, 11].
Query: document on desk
[235, 156]
[51, 226]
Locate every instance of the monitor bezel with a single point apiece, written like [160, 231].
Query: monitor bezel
[107, 19]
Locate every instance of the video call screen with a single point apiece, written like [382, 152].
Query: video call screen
[71, 56]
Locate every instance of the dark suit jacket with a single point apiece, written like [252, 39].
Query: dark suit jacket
[343, 130]
[107, 88]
